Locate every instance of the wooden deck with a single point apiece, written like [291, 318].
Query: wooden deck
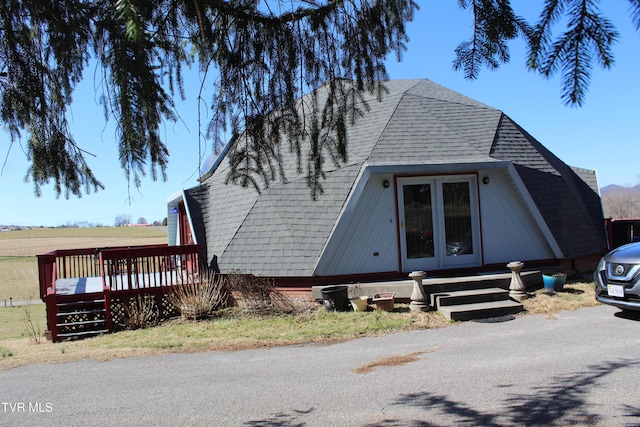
[87, 291]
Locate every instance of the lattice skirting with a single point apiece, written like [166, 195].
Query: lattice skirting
[159, 303]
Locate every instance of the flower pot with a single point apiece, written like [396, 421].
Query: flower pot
[335, 298]
[384, 300]
[559, 282]
[359, 303]
[554, 282]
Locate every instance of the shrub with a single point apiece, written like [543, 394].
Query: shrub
[140, 312]
[33, 329]
[199, 297]
[259, 294]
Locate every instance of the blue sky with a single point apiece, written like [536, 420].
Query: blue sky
[601, 135]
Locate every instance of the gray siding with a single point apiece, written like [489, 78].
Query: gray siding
[365, 240]
[509, 230]
[285, 231]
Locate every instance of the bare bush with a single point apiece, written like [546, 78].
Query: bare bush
[140, 312]
[33, 329]
[259, 294]
[199, 298]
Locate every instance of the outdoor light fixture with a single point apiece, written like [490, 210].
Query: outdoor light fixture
[485, 180]
[385, 183]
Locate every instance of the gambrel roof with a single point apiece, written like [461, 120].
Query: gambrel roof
[282, 232]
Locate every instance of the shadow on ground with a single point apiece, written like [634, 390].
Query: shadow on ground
[628, 314]
[561, 402]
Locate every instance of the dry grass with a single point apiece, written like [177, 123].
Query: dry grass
[12, 321]
[234, 329]
[574, 296]
[18, 278]
[18, 250]
[39, 245]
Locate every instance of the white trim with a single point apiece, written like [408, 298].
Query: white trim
[172, 222]
[347, 210]
[172, 219]
[537, 216]
[440, 259]
[188, 211]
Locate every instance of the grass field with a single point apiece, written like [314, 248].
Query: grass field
[19, 265]
[93, 232]
[18, 250]
[12, 320]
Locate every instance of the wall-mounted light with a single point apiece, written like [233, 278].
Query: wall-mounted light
[385, 183]
[485, 180]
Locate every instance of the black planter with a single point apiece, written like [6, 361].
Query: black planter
[336, 298]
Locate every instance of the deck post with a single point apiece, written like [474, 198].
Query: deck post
[52, 316]
[106, 292]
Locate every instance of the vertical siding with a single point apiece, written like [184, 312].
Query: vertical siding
[509, 231]
[365, 239]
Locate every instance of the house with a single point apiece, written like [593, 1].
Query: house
[435, 181]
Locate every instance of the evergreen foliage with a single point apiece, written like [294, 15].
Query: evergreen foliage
[264, 55]
[588, 38]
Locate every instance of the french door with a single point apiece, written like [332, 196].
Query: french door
[439, 225]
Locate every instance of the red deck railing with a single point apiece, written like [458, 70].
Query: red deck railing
[118, 274]
[121, 268]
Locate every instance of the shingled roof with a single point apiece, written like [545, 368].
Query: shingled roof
[416, 121]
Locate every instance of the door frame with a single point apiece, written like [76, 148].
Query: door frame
[440, 260]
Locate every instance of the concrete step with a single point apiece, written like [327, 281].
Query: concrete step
[468, 296]
[480, 310]
[403, 288]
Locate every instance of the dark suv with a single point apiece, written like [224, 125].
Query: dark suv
[617, 278]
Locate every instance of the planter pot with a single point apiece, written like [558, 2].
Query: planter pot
[335, 298]
[554, 282]
[384, 300]
[359, 303]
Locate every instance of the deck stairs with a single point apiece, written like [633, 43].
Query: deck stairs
[81, 318]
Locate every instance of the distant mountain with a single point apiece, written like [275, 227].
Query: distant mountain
[613, 187]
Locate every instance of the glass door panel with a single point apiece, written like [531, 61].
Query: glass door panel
[418, 220]
[439, 224]
[415, 206]
[456, 203]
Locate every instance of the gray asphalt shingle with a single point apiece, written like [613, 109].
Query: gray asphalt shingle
[281, 232]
